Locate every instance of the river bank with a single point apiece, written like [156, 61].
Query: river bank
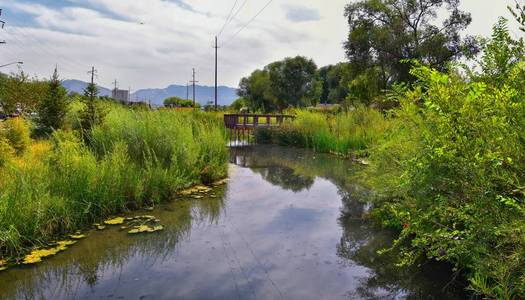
[288, 225]
[134, 159]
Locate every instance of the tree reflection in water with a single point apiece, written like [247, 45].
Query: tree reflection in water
[297, 169]
[289, 232]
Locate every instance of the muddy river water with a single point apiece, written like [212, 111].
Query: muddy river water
[288, 225]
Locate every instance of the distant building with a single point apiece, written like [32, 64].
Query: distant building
[120, 95]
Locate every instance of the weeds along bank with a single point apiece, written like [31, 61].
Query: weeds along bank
[345, 133]
[133, 159]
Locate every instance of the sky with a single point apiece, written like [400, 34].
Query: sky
[155, 43]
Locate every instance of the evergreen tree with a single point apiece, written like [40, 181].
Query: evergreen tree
[93, 113]
[52, 110]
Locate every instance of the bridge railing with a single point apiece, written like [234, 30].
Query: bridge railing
[250, 121]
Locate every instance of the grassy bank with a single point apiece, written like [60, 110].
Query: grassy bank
[346, 133]
[134, 159]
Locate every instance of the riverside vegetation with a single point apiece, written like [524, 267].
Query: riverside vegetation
[129, 160]
[445, 164]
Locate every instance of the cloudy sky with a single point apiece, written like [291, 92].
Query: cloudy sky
[154, 43]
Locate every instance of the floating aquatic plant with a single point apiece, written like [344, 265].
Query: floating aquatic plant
[36, 255]
[77, 236]
[145, 229]
[115, 221]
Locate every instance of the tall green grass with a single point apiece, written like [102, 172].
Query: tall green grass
[134, 159]
[344, 133]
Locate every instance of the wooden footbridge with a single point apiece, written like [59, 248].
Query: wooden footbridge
[241, 126]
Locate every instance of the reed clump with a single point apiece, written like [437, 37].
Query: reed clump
[133, 159]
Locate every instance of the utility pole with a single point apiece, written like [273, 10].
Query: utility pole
[193, 82]
[114, 93]
[93, 73]
[216, 47]
[187, 91]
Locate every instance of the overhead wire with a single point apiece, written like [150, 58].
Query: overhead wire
[229, 40]
[227, 18]
[46, 47]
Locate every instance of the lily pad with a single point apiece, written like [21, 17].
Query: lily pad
[3, 268]
[101, 227]
[36, 255]
[115, 221]
[145, 228]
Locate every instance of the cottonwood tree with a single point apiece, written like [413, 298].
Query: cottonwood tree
[257, 91]
[386, 34]
[293, 82]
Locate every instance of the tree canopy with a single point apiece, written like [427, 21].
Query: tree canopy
[19, 92]
[177, 102]
[387, 33]
[281, 84]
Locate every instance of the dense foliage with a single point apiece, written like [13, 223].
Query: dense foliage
[291, 82]
[177, 102]
[450, 175]
[20, 94]
[53, 107]
[385, 33]
[134, 159]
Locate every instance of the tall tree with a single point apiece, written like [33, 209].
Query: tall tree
[257, 91]
[93, 113]
[52, 110]
[387, 33]
[293, 82]
[19, 92]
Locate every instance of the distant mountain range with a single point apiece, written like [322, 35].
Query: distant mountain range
[203, 94]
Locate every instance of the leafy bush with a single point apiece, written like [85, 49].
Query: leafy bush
[450, 177]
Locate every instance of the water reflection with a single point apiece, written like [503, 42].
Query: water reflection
[288, 226]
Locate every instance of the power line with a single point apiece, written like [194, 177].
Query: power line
[228, 18]
[46, 47]
[239, 10]
[247, 24]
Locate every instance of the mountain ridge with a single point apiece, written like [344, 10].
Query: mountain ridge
[204, 93]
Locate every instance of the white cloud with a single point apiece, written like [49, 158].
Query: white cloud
[153, 43]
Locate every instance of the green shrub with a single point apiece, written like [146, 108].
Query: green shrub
[450, 177]
[17, 132]
[263, 135]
